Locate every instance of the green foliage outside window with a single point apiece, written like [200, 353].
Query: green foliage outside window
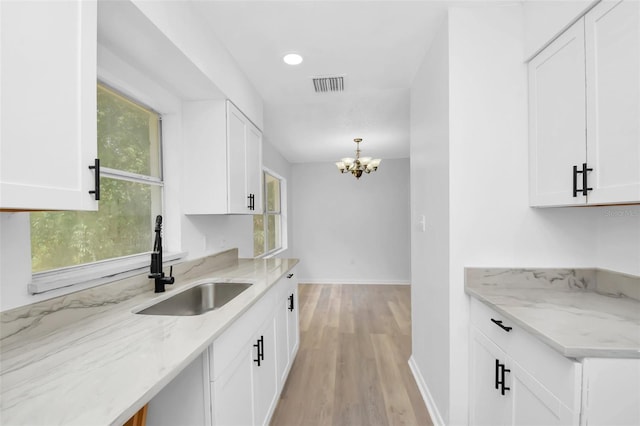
[266, 227]
[128, 141]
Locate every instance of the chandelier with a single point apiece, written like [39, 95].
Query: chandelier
[358, 165]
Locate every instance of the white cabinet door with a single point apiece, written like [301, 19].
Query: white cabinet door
[254, 173]
[236, 160]
[612, 42]
[532, 403]
[282, 323]
[487, 405]
[232, 396]
[293, 330]
[264, 376]
[557, 120]
[48, 112]
[244, 163]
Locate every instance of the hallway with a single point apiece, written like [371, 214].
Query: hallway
[351, 368]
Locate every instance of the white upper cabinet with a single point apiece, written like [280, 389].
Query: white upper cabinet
[584, 111]
[48, 105]
[223, 160]
[612, 39]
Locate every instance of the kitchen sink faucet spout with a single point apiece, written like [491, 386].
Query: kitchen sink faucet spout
[156, 261]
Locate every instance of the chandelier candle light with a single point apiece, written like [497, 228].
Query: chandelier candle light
[358, 165]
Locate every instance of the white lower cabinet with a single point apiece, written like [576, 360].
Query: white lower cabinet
[515, 379]
[238, 379]
[504, 393]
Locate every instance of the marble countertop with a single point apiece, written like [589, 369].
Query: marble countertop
[99, 368]
[564, 309]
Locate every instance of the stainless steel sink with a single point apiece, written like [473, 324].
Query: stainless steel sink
[197, 300]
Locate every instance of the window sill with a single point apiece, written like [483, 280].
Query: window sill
[95, 274]
[272, 253]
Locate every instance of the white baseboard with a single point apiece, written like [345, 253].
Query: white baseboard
[436, 418]
[356, 282]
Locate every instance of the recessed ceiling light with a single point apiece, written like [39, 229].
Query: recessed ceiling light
[292, 59]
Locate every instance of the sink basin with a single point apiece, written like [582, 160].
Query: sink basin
[197, 300]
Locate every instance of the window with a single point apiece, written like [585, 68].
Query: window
[129, 141]
[267, 227]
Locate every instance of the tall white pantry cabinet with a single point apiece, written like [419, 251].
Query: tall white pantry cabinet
[48, 138]
[584, 111]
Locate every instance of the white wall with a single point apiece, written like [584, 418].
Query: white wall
[618, 243]
[187, 30]
[429, 152]
[348, 230]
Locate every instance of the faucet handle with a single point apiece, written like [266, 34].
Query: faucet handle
[170, 279]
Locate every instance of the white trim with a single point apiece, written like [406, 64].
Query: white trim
[272, 253]
[284, 239]
[352, 281]
[130, 177]
[435, 415]
[96, 273]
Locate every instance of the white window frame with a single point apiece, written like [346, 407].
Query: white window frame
[92, 274]
[283, 214]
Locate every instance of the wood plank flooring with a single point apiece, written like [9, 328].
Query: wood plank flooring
[351, 368]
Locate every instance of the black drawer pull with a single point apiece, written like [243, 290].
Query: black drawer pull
[289, 275]
[291, 306]
[585, 189]
[499, 324]
[259, 350]
[500, 372]
[96, 177]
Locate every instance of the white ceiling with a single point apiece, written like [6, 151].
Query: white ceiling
[376, 45]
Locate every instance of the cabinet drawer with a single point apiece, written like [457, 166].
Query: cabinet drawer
[492, 324]
[560, 375]
[236, 339]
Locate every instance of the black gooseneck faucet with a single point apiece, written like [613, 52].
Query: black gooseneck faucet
[156, 260]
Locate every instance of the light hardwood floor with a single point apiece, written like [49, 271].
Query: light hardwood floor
[351, 368]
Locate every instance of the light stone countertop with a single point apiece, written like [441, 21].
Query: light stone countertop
[88, 360]
[565, 308]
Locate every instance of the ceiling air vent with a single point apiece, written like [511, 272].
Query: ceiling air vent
[328, 84]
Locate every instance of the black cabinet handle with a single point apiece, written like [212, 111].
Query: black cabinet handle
[291, 306]
[504, 388]
[499, 324]
[259, 345]
[584, 179]
[96, 167]
[499, 381]
[290, 275]
[251, 205]
[585, 188]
